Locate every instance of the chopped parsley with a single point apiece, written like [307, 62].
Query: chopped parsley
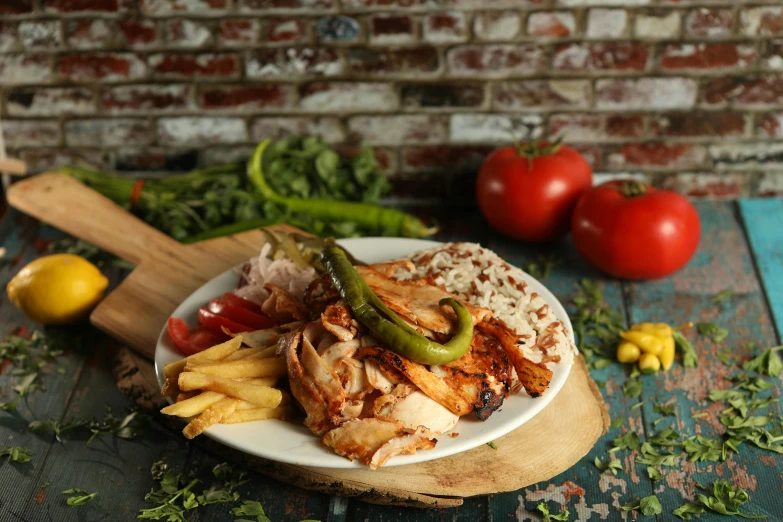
[713, 331]
[653, 457]
[726, 500]
[542, 266]
[548, 516]
[723, 295]
[251, 508]
[492, 445]
[597, 327]
[686, 510]
[632, 388]
[667, 410]
[768, 363]
[78, 496]
[630, 440]
[613, 466]
[654, 473]
[689, 358]
[16, 454]
[649, 506]
[617, 422]
[701, 448]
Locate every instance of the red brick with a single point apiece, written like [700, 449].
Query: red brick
[554, 24]
[375, 5]
[190, 131]
[94, 33]
[596, 127]
[267, 6]
[493, 128]
[40, 34]
[495, 60]
[238, 32]
[496, 25]
[766, 155]
[442, 95]
[139, 33]
[645, 93]
[745, 91]
[762, 21]
[330, 129]
[244, 97]
[407, 61]
[16, 7]
[8, 38]
[706, 56]
[44, 101]
[601, 57]
[607, 23]
[398, 129]
[105, 67]
[187, 33]
[658, 25]
[709, 186]
[658, 155]
[104, 133]
[34, 133]
[700, 124]
[542, 94]
[25, 68]
[772, 54]
[274, 63]
[287, 30]
[207, 65]
[154, 159]
[445, 27]
[41, 160]
[452, 159]
[86, 6]
[710, 22]
[353, 96]
[165, 7]
[391, 29]
[771, 125]
[147, 99]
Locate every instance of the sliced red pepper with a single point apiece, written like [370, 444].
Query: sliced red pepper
[215, 323]
[241, 301]
[239, 315]
[192, 342]
[136, 192]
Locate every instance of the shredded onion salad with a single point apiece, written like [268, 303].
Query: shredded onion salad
[262, 270]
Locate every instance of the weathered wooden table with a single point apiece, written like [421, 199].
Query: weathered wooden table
[741, 248]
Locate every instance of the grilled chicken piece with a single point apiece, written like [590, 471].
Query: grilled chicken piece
[432, 385]
[534, 377]
[387, 269]
[282, 306]
[414, 409]
[374, 441]
[482, 376]
[418, 301]
[320, 293]
[338, 320]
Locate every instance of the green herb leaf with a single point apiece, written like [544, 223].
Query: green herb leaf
[723, 295]
[613, 466]
[632, 388]
[667, 437]
[542, 266]
[16, 454]
[8, 406]
[689, 358]
[713, 331]
[548, 516]
[726, 500]
[637, 405]
[768, 363]
[686, 511]
[251, 508]
[649, 506]
[666, 410]
[630, 440]
[652, 457]
[492, 445]
[654, 473]
[701, 448]
[78, 496]
[617, 422]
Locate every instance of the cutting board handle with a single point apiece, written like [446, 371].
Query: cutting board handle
[72, 206]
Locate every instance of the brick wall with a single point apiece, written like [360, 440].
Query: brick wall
[686, 93]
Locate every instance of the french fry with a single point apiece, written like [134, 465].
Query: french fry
[194, 405]
[215, 353]
[256, 414]
[251, 368]
[212, 415]
[263, 381]
[262, 396]
[183, 396]
[258, 353]
[170, 388]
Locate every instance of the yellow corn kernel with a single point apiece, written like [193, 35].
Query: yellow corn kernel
[628, 352]
[667, 354]
[647, 342]
[649, 363]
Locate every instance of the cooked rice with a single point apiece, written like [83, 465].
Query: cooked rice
[484, 279]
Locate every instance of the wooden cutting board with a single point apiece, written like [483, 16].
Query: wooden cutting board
[167, 272]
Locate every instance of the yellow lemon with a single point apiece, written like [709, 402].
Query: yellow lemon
[57, 289]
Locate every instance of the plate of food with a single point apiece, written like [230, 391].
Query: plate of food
[420, 350]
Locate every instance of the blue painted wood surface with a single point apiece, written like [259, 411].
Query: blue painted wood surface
[119, 470]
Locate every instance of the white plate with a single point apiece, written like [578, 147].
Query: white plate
[294, 444]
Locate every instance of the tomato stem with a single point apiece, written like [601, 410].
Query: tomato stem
[535, 149]
[632, 188]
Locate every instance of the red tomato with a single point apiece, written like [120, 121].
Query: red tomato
[239, 315]
[191, 342]
[630, 230]
[235, 300]
[529, 192]
[215, 323]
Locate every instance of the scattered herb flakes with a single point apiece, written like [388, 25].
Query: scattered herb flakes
[768, 363]
[637, 405]
[713, 331]
[724, 356]
[597, 327]
[723, 295]
[109, 425]
[548, 516]
[701, 415]
[173, 499]
[667, 410]
[613, 466]
[686, 511]
[55, 427]
[30, 356]
[632, 388]
[616, 423]
[634, 372]
[667, 437]
[726, 500]
[629, 440]
[653, 457]
[689, 358]
[16, 454]
[701, 448]
[78, 496]
[250, 508]
[492, 445]
[542, 266]
[61, 371]
[8, 406]
[654, 473]
[649, 506]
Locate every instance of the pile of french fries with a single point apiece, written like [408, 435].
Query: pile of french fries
[226, 384]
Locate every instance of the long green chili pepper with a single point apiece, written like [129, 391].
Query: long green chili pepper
[397, 335]
[389, 221]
